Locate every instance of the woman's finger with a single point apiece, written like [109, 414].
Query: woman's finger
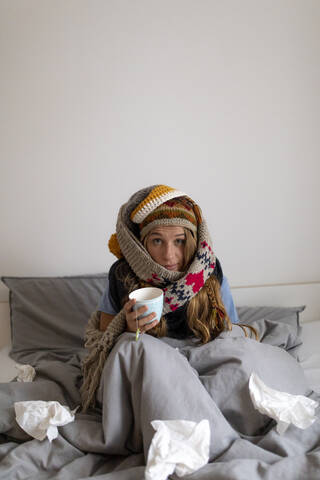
[129, 304]
[134, 314]
[146, 323]
[141, 310]
[149, 326]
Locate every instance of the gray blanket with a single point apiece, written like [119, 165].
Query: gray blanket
[165, 380]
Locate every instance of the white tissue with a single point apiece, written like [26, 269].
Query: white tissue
[41, 419]
[26, 373]
[283, 407]
[177, 446]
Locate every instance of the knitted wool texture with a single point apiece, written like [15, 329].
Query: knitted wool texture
[175, 212]
[157, 196]
[99, 345]
[178, 287]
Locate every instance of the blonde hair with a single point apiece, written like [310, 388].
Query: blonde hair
[206, 313]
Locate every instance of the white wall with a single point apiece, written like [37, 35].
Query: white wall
[220, 99]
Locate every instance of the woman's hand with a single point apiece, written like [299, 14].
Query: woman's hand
[131, 315]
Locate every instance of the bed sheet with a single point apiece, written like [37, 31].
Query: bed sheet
[309, 356]
[112, 447]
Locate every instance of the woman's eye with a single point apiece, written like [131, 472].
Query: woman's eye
[156, 241]
[180, 241]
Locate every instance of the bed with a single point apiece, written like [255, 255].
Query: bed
[42, 324]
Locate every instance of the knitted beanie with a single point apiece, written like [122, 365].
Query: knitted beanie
[176, 212]
[163, 205]
[156, 197]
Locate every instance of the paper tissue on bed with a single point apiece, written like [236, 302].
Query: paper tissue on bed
[178, 446]
[283, 407]
[40, 419]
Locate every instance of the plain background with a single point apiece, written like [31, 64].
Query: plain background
[219, 99]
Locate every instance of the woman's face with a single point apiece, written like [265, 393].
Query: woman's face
[165, 244]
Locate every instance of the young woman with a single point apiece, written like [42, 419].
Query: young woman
[162, 240]
[173, 247]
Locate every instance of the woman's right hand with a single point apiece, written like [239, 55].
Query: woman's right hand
[131, 318]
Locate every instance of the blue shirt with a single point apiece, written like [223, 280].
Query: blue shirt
[106, 305]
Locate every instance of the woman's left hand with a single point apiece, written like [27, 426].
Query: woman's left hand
[143, 323]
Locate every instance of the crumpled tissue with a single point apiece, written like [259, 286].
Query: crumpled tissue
[26, 373]
[178, 446]
[40, 419]
[283, 407]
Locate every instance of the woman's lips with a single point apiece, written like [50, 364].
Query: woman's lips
[172, 267]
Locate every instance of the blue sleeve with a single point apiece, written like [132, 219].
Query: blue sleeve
[228, 301]
[106, 305]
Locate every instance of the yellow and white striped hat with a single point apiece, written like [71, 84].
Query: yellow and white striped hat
[157, 196]
[165, 206]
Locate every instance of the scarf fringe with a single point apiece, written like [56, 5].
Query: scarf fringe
[99, 343]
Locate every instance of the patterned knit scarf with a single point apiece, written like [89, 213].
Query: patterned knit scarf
[178, 287]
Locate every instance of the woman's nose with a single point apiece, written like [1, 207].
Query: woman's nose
[169, 251]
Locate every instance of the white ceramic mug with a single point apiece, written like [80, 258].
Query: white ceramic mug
[150, 297]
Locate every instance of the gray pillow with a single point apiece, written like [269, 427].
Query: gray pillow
[273, 323]
[50, 313]
[288, 315]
